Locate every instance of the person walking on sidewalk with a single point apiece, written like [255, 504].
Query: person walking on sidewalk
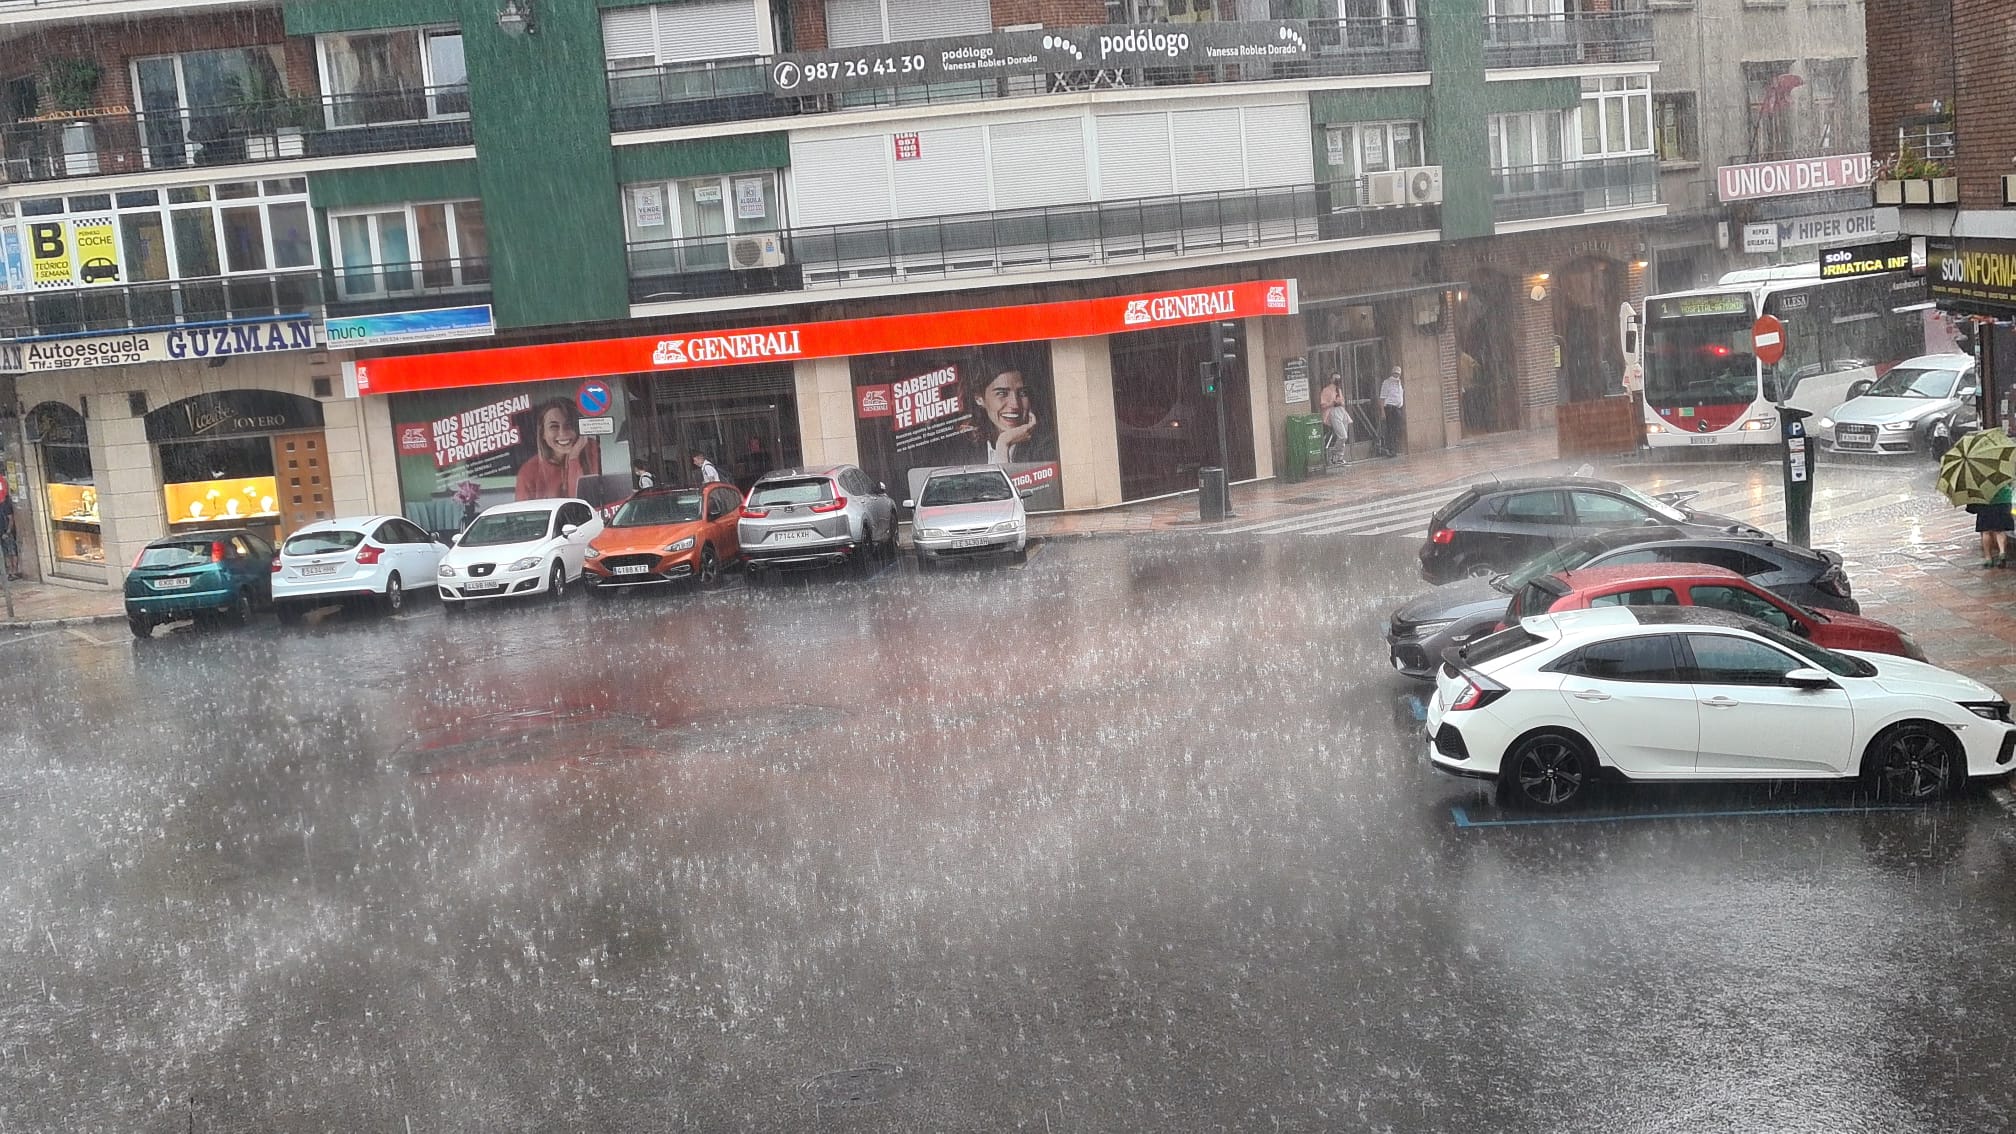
[1993, 521]
[1393, 411]
[10, 542]
[1337, 417]
[705, 468]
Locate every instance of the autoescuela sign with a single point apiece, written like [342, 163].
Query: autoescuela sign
[170, 344]
[965, 57]
[844, 338]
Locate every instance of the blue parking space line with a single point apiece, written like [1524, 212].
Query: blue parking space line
[1462, 817]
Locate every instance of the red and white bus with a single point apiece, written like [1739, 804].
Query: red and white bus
[1704, 386]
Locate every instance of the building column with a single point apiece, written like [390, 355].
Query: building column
[130, 509]
[1265, 398]
[1088, 441]
[826, 412]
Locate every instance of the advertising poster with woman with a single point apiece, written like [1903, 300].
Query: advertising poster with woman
[975, 406]
[464, 450]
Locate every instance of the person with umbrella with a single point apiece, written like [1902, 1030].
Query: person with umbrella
[1978, 473]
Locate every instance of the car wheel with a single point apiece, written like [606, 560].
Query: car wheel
[241, 610]
[141, 625]
[1480, 569]
[394, 599]
[710, 569]
[1911, 763]
[892, 550]
[556, 583]
[289, 613]
[1550, 770]
[865, 556]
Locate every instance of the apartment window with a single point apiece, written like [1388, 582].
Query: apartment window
[1616, 116]
[438, 246]
[409, 75]
[1533, 138]
[679, 226]
[201, 231]
[191, 106]
[1832, 83]
[861, 23]
[1768, 87]
[1360, 148]
[1675, 126]
[1525, 8]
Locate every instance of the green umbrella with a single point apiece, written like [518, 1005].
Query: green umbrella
[1977, 467]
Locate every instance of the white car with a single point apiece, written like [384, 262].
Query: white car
[356, 556]
[968, 511]
[532, 547]
[1687, 693]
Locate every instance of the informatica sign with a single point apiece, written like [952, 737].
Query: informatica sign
[1792, 177]
[1866, 259]
[169, 344]
[1974, 274]
[392, 328]
[792, 342]
[1051, 50]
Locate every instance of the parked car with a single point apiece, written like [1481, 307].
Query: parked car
[329, 561]
[666, 535]
[1489, 527]
[968, 511]
[801, 518]
[1467, 609]
[532, 547]
[1550, 706]
[228, 572]
[1692, 584]
[1920, 407]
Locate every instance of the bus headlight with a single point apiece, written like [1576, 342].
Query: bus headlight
[1759, 424]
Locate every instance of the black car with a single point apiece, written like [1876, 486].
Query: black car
[1454, 614]
[1489, 528]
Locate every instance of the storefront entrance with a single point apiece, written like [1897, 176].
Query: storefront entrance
[744, 418]
[242, 458]
[1362, 365]
[61, 438]
[1167, 428]
[1487, 360]
[1586, 298]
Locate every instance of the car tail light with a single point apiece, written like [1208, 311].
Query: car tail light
[216, 553]
[369, 553]
[1834, 583]
[137, 557]
[833, 505]
[276, 565]
[1443, 536]
[1475, 696]
[754, 513]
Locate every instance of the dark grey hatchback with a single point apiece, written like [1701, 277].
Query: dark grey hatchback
[1490, 528]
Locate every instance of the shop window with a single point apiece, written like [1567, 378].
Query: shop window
[1167, 429]
[1616, 116]
[62, 440]
[225, 481]
[440, 246]
[1675, 127]
[408, 75]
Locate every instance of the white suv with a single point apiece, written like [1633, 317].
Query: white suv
[330, 561]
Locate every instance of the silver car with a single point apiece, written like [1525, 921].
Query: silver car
[968, 511]
[802, 518]
[1921, 406]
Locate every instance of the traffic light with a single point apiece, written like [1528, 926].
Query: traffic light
[1225, 337]
[1963, 335]
[1207, 373]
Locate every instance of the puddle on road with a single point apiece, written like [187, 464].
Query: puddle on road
[598, 738]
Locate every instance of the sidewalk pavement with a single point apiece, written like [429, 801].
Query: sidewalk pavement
[41, 606]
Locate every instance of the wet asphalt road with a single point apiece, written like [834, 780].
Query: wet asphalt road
[1137, 837]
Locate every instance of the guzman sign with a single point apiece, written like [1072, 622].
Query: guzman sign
[260, 336]
[1049, 51]
[1792, 177]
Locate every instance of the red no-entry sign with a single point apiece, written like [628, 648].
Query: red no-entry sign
[1767, 339]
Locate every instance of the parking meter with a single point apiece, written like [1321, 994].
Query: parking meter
[1798, 476]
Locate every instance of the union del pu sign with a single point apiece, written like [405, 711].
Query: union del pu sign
[1792, 177]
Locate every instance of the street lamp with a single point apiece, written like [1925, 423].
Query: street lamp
[515, 18]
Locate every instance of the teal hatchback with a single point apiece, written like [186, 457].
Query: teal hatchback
[227, 572]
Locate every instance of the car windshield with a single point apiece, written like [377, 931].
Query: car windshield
[321, 543]
[781, 492]
[177, 554]
[1840, 665]
[658, 508]
[1567, 557]
[1914, 382]
[507, 527]
[967, 488]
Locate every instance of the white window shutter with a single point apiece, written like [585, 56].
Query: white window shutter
[627, 34]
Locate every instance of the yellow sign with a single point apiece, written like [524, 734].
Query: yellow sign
[96, 249]
[49, 254]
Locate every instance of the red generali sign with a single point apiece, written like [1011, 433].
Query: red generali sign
[886, 334]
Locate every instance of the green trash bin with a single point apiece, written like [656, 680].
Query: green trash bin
[1305, 446]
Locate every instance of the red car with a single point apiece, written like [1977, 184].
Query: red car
[1684, 584]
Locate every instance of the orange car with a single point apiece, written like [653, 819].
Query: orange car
[665, 535]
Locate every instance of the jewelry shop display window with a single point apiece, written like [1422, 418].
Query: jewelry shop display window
[60, 435]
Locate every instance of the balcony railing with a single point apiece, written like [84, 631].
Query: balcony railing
[96, 142]
[1566, 189]
[1927, 136]
[1568, 39]
[737, 90]
[1099, 232]
[374, 288]
[113, 308]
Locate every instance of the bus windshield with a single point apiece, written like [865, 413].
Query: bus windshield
[1700, 361]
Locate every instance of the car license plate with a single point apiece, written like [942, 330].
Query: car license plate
[791, 535]
[482, 585]
[319, 569]
[171, 584]
[968, 542]
[1701, 440]
[632, 569]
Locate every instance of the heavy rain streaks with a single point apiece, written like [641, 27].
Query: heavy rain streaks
[1136, 837]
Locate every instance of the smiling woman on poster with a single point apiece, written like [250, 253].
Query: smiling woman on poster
[1011, 429]
[563, 456]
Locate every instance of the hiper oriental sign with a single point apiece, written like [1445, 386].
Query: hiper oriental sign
[887, 334]
[1791, 177]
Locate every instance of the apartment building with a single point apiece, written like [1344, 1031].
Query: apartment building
[269, 262]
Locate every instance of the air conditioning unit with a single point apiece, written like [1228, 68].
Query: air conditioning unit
[1386, 188]
[1424, 184]
[761, 250]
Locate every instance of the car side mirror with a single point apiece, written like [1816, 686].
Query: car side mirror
[1970, 392]
[910, 505]
[455, 540]
[568, 530]
[1858, 387]
[1025, 493]
[1808, 679]
[881, 488]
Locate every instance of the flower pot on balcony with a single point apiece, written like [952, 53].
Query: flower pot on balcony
[290, 141]
[1945, 190]
[1889, 192]
[2009, 189]
[1918, 191]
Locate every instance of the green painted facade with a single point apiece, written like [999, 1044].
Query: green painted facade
[544, 169]
[737, 153]
[393, 184]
